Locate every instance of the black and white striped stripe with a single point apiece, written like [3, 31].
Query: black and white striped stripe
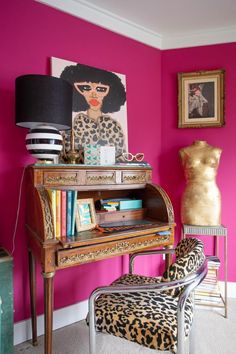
[44, 142]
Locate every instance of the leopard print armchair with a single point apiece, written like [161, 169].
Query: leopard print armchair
[156, 312]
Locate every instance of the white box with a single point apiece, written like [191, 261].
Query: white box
[107, 155]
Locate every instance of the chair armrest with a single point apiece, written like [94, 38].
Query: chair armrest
[191, 280]
[147, 253]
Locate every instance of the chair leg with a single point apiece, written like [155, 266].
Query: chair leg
[192, 338]
[92, 329]
[192, 334]
[181, 334]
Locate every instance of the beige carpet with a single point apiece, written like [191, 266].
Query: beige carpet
[214, 335]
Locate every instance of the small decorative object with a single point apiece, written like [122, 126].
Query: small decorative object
[92, 154]
[85, 215]
[127, 156]
[107, 155]
[72, 156]
[201, 99]
[44, 104]
[99, 155]
[201, 200]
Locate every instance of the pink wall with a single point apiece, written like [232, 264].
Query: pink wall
[171, 174]
[31, 33]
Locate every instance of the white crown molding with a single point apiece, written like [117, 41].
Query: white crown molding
[217, 36]
[106, 19]
[117, 24]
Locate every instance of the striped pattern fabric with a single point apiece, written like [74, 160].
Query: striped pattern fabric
[44, 142]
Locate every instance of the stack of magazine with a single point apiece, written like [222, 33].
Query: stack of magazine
[208, 292]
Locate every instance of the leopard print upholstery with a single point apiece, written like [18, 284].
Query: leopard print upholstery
[189, 257]
[149, 318]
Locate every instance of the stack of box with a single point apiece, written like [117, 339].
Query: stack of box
[99, 155]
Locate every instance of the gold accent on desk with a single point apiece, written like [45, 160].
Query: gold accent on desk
[47, 216]
[100, 179]
[138, 178]
[118, 248]
[54, 179]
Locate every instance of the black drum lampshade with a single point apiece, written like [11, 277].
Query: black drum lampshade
[43, 104]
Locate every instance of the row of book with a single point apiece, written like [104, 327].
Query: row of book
[63, 205]
[208, 292]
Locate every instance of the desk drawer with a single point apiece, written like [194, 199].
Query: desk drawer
[100, 177]
[61, 178]
[86, 254]
[134, 177]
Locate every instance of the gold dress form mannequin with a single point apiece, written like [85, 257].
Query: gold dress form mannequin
[201, 200]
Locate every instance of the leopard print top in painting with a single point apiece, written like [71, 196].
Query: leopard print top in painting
[104, 131]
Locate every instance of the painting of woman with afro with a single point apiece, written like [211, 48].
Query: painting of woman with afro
[98, 99]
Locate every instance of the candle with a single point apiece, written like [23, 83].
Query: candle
[72, 140]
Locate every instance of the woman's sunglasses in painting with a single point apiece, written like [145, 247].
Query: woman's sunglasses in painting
[127, 156]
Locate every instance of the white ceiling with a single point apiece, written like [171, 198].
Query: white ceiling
[162, 24]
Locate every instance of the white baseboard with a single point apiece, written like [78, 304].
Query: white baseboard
[231, 289]
[61, 318]
[74, 313]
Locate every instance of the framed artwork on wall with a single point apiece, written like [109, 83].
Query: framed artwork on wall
[85, 216]
[201, 99]
[99, 114]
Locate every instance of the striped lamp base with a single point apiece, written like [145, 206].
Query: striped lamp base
[44, 142]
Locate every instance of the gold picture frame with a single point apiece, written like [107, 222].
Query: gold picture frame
[201, 99]
[85, 217]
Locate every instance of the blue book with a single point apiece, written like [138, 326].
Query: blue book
[73, 211]
[69, 214]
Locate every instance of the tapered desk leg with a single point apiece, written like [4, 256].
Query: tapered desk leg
[32, 280]
[48, 311]
[168, 260]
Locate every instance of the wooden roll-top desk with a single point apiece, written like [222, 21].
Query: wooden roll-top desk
[97, 182]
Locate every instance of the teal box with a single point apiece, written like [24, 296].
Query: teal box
[92, 154]
[130, 204]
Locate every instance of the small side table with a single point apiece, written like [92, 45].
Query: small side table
[215, 231]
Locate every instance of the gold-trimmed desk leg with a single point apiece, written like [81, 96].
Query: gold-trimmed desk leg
[168, 260]
[48, 311]
[32, 280]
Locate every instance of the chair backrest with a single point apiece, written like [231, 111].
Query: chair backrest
[189, 257]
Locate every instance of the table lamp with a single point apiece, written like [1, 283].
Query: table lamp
[43, 104]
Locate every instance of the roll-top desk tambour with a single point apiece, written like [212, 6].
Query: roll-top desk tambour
[97, 182]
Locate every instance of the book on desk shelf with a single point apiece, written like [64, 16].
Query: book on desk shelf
[63, 213]
[69, 213]
[114, 204]
[63, 206]
[73, 211]
[58, 213]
